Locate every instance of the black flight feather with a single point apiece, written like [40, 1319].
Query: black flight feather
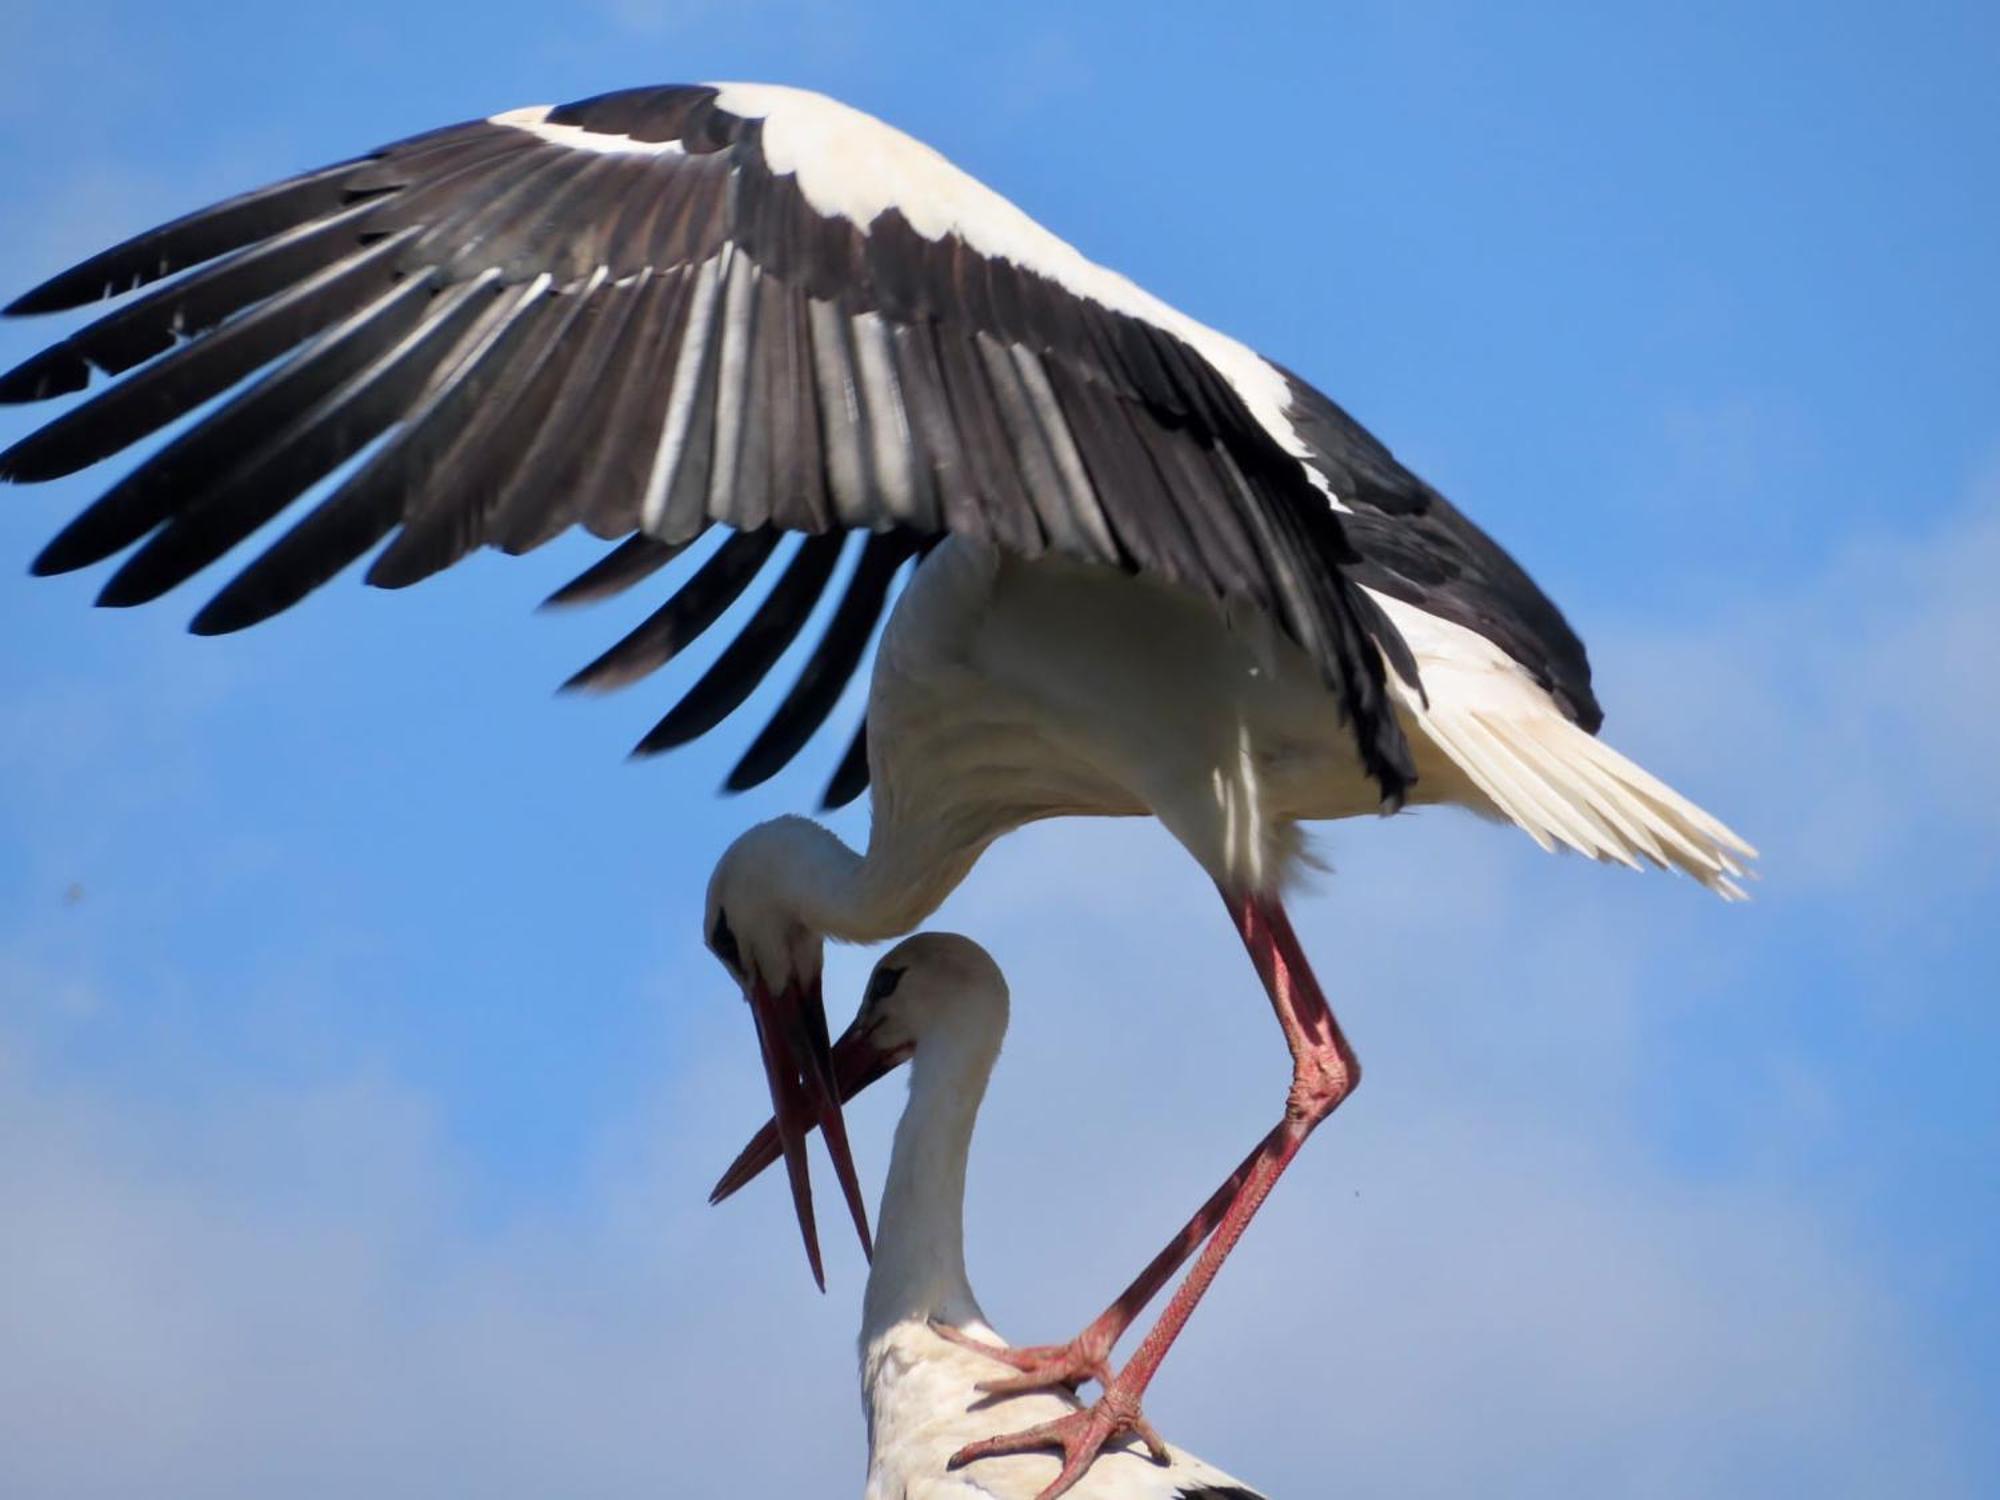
[743, 663]
[716, 584]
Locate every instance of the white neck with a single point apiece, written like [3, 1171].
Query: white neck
[919, 1267]
[794, 874]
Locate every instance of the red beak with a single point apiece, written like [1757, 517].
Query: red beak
[809, 1083]
[799, 1066]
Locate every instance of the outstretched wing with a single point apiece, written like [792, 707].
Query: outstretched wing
[659, 310]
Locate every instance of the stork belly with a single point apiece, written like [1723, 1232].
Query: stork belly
[1076, 689]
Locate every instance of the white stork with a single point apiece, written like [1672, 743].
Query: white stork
[1159, 574]
[939, 1001]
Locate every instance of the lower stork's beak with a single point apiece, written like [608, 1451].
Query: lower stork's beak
[809, 1083]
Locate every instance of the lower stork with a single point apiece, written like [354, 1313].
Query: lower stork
[939, 1001]
[1160, 574]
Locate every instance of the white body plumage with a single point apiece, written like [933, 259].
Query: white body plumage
[1008, 691]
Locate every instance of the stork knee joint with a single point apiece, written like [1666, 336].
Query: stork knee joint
[1319, 1084]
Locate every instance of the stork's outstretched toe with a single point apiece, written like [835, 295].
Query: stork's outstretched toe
[1080, 1437]
[1042, 1367]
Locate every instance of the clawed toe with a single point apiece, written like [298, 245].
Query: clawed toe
[1039, 1368]
[1080, 1437]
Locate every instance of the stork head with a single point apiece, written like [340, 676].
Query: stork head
[934, 989]
[766, 922]
[927, 988]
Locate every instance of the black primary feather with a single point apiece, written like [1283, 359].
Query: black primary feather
[661, 636]
[743, 663]
[831, 665]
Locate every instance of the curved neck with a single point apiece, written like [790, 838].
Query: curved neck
[829, 888]
[919, 1267]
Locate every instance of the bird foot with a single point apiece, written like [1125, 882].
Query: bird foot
[1042, 1366]
[1080, 1437]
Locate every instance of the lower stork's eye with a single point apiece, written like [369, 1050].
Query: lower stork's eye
[882, 983]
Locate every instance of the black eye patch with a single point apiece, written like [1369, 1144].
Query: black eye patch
[883, 984]
[722, 942]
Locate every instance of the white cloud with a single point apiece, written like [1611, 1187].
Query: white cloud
[284, 1290]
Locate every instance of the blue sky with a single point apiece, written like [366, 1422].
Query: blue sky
[361, 1072]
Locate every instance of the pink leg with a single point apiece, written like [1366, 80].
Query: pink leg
[1324, 1072]
[1088, 1355]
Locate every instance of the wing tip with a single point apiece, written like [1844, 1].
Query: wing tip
[600, 678]
[227, 614]
[56, 371]
[669, 734]
[23, 464]
[746, 775]
[637, 557]
[50, 296]
[576, 591]
[127, 589]
[53, 561]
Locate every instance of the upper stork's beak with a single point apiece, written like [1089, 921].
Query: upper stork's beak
[799, 1066]
[809, 1083]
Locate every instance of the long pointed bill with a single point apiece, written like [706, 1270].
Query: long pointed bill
[800, 1070]
[854, 1062]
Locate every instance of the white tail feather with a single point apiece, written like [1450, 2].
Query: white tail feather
[1558, 784]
